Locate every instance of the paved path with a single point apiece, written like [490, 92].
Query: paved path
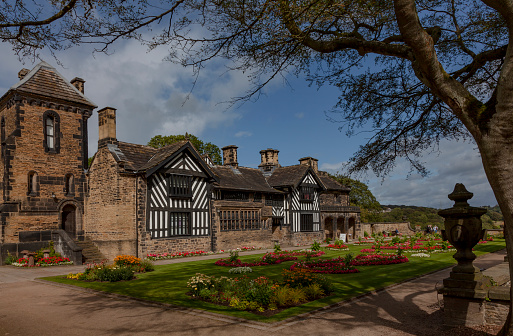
[33, 307]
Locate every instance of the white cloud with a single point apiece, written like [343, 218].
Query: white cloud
[241, 134]
[458, 162]
[332, 168]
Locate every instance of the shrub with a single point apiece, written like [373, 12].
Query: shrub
[10, 259]
[285, 296]
[365, 234]
[277, 248]
[316, 246]
[234, 256]
[146, 266]
[114, 274]
[304, 278]
[314, 291]
[240, 270]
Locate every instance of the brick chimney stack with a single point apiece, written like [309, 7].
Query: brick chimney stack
[230, 156]
[23, 72]
[269, 160]
[310, 161]
[78, 83]
[107, 126]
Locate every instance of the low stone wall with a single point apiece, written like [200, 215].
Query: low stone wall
[306, 238]
[261, 238]
[173, 245]
[403, 227]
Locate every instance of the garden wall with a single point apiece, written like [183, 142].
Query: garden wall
[403, 227]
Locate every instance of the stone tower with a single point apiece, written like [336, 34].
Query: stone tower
[43, 156]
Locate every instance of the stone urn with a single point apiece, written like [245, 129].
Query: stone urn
[463, 228]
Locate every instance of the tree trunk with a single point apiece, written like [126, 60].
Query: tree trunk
[496, 153]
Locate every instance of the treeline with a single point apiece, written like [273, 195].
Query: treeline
[424, 216]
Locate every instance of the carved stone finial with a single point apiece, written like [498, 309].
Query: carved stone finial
[460, 196]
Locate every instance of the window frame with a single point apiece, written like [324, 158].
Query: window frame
[239, 219]
[180, 186]
[69, 185]
[174, 231]
[54, 116]
[306, 223]
[32, 183]
[307, 194]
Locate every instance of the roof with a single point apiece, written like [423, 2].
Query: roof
[333, 185]
[45, 80]
[242, 178]
[162, 154]
[134, 156]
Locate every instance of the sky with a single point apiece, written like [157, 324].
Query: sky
[153, 96]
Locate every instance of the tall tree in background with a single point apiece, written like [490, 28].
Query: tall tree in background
[361, 196]
[442, 68]
[208, 148]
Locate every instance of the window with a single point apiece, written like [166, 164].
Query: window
[180, 186]
[306, 224]
[179, 224]
[257, 197]
[51, 131]
[32, 183]
[306, 194]
[69, 187]
[232, 220]
[235, 196]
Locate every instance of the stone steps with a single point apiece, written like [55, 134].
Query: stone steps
[90, 253]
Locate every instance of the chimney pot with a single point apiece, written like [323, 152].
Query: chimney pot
[107, 126]
[230, 156]
[23, 72]
[78, 83]
[310, 161]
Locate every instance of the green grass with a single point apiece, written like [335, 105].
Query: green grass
[168, 282]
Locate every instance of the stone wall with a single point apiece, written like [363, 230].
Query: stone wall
[306, 238]
[24, 152]
[334, 199]
[225, 240]
[111, 213]
[403, 227]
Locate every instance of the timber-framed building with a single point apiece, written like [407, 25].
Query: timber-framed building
[138, 200]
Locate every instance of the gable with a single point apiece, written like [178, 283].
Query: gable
[309, 180]
[184, 161]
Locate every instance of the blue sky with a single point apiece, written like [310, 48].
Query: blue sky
[153, 96]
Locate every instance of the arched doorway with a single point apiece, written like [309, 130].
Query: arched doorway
[68, 220]
[352, 227]
[341, 227]
[328, 228]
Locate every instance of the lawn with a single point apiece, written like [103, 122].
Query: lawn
[168, 282]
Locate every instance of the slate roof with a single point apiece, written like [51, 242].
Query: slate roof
[242, 178]
[134, 156]
[44, 80]
[289, 176]
[331, 184]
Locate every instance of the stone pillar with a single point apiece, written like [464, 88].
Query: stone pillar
[465, 290]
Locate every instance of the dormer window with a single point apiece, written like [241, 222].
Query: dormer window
[51, 131]
[180, 186]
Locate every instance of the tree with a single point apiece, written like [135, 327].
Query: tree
[361, 196]
[208, 148]
[443, 68]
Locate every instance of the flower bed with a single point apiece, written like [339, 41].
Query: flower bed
[41, 262]
[378, 259]
[268, 259]
[261, 294]
[328, 266]
[338, 246]
[164, 256]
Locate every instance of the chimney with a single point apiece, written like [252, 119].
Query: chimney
[107, 126]
[230, 156]
[78, 83]
[310, 161]
[23, 72]
[269, 160]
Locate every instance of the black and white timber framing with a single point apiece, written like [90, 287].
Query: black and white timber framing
[301, 209]
[179, 215]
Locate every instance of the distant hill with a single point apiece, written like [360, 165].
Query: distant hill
[425, 216]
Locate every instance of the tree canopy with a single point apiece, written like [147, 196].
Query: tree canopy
[207, 148]
[442, 68]
[361, 196]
